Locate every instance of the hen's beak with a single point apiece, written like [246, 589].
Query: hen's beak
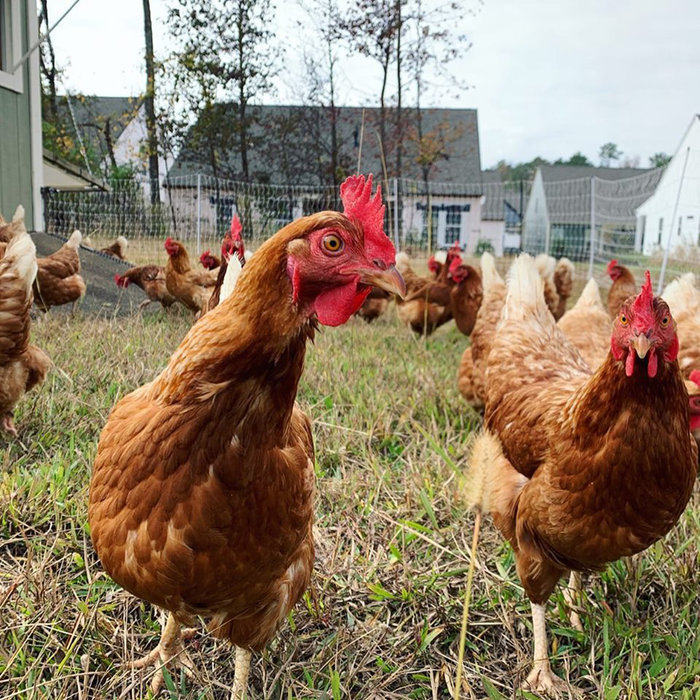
[389, 280]
[641, 345]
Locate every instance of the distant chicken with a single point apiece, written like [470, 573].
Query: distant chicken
[117, 249]
[465, 295]
[427, 304]
[471, 378]
[587, 326]
[189, 286]
[564, 282]
[231, 247]
[58, 279]
[150, 278]
[201, 500]
[581, 468]
[375, 305]
[209, 261]
[622, 288]
[683, 298]
[22, 366]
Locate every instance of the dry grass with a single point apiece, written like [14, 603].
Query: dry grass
[382, 617]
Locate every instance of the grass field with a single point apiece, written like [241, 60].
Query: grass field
[382, 617]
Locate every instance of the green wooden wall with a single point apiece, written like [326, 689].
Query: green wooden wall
[15, 145]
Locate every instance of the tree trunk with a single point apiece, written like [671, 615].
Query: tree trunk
[50, 70]
[149, 104]
[399, 124]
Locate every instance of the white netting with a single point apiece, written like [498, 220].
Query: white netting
[631, 216]
[593, 220]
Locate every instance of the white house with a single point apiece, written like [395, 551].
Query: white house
[671, 216]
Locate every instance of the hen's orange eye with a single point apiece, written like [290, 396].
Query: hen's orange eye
[333, 243]
[665, 321]
[623, 319]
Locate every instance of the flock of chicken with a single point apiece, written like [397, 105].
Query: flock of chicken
[201, 499]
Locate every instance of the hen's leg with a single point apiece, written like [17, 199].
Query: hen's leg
[240, 679]
[541, 679]
[572, 597]
[170, 650]
[8, 424]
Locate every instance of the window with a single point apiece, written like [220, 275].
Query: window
[453, 225]
[10, 45]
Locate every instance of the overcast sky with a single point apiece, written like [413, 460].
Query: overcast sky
[548, 77]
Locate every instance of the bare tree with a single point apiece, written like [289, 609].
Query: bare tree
[149, 105]
[47, 62]
[225, 50]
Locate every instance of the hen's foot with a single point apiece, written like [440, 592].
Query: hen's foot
[542, 680]
[8, 425]
[169, 652]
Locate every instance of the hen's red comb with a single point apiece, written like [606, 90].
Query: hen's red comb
[368, 211]
[236, 227]
[611, 265]
[695, 376]
[645, 298]
[456, 262]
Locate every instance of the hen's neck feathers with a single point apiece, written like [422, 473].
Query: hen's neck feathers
[242, 361]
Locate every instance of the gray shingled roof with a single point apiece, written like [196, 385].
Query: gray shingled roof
[557, 173]
[91, 114]
[498, 194]
[299, 154]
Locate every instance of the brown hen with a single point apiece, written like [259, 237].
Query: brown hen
[622, 288]
[22, 366]
[191, 287]
[58, 279]
[150, 278]
[201, 499]
[584, 468]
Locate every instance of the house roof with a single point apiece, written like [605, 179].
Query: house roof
[299, 150]
[96, 115]
[498, 194]
[558, 173]
[62, 175]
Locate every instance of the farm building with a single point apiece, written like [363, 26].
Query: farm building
[501, 212]
[20, 112]
[670, 218]
[291, 163]
[565, 200]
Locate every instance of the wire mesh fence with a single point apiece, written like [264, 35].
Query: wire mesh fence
[590, 220]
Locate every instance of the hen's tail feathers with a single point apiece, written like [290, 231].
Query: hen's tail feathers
[489, 273]
[20, 256]
[75, 238]
[233, 272]
[682, 294]
[19, 214]
[590, 297]
[545, 265]
[525, 295]
[403, 262]
[491, 483]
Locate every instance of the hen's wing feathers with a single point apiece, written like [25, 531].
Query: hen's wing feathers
[17, 272]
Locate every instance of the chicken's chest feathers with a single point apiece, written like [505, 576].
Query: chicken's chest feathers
[206, 481]
[619, 471]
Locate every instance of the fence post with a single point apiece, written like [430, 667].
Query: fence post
[396, 213]
[664, 262]
[199, 214]
[591, 252]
